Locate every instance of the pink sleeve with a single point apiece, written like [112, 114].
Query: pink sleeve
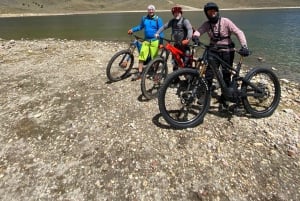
[203, 28]
[232, 28]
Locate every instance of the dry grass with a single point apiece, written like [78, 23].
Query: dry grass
[67, 6]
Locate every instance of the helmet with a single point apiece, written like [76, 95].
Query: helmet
[210, 6]
[176, 9]
[151, 7]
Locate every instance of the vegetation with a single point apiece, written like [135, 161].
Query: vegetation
[73, 6]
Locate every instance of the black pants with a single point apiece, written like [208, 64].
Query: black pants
[228, 57]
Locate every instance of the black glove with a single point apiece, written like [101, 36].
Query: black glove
[196, 40]
[244, 51]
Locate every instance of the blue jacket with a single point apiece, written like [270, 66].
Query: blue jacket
[150, 26]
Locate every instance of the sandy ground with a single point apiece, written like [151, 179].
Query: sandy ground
[66, 133]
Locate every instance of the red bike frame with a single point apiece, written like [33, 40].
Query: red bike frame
[178, 54]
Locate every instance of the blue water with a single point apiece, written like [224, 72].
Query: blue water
[273, 35]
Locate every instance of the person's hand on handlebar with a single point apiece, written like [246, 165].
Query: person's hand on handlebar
[196, 40]
[130, 32]
[156, 35]
[244, 51]
[185, 42]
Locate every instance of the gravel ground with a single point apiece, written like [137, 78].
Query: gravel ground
[68, 134]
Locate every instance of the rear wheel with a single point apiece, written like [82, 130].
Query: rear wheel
[153, 77]
[184, 98]
[119, 66]
[262, 90]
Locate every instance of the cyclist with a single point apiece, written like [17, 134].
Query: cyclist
[182, 30]
[219, 30]
[150, 23]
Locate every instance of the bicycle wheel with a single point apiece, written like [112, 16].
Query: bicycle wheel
[184, 98]
[262, 89]
[153, 77]
[119, 66]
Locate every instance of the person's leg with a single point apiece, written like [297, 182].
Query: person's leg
[154, 49]
[144, 53]
[142, 57]
[209, 74]
[175, 64]
[228, 57]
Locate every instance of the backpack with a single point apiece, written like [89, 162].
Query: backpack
[179, 32]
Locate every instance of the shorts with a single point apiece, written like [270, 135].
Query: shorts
[149, 48]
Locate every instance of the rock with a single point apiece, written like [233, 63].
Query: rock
[285, 81]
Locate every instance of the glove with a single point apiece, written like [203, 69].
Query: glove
[185, 42]
[156, 35]
[129, 31]
[244, 51]
[196, 40]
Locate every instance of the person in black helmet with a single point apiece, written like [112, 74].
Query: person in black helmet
[219, 30]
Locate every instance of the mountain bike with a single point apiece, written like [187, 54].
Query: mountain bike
[185, 105]
[121, 63]
[157, 69]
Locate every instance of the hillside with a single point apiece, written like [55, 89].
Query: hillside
[75, 6]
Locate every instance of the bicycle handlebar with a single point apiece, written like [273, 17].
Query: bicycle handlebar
[137, 37]
[215, 47]
[173, 41]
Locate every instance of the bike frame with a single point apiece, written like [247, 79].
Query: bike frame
[135, 43]
[177, 54]
[228, 91]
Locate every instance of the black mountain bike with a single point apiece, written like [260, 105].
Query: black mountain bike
[186, 104]
[121, 63]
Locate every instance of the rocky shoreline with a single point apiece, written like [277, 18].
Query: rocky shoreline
[68, 134]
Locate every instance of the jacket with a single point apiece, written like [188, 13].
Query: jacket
[220, 32]
[150, 25]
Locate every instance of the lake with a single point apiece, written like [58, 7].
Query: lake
[273, 34]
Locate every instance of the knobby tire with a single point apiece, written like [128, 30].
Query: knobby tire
[184, 104]
[153, 77]
[114, 71]
[263, 101]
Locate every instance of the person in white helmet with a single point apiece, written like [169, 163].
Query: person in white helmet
[150, 24]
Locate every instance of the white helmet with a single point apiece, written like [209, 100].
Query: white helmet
[151, 7]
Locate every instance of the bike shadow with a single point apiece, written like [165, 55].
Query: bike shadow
[134, 71]
[229, 113]
[142, 99]
[123, 78]
[156, 120]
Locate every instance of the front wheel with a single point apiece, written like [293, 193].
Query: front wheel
[153, 77]
[120, 65]
[184, 98]
[262, 92]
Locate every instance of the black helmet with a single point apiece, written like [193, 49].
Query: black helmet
[210, 6]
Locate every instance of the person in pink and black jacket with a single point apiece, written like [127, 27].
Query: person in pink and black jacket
[220, 30]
